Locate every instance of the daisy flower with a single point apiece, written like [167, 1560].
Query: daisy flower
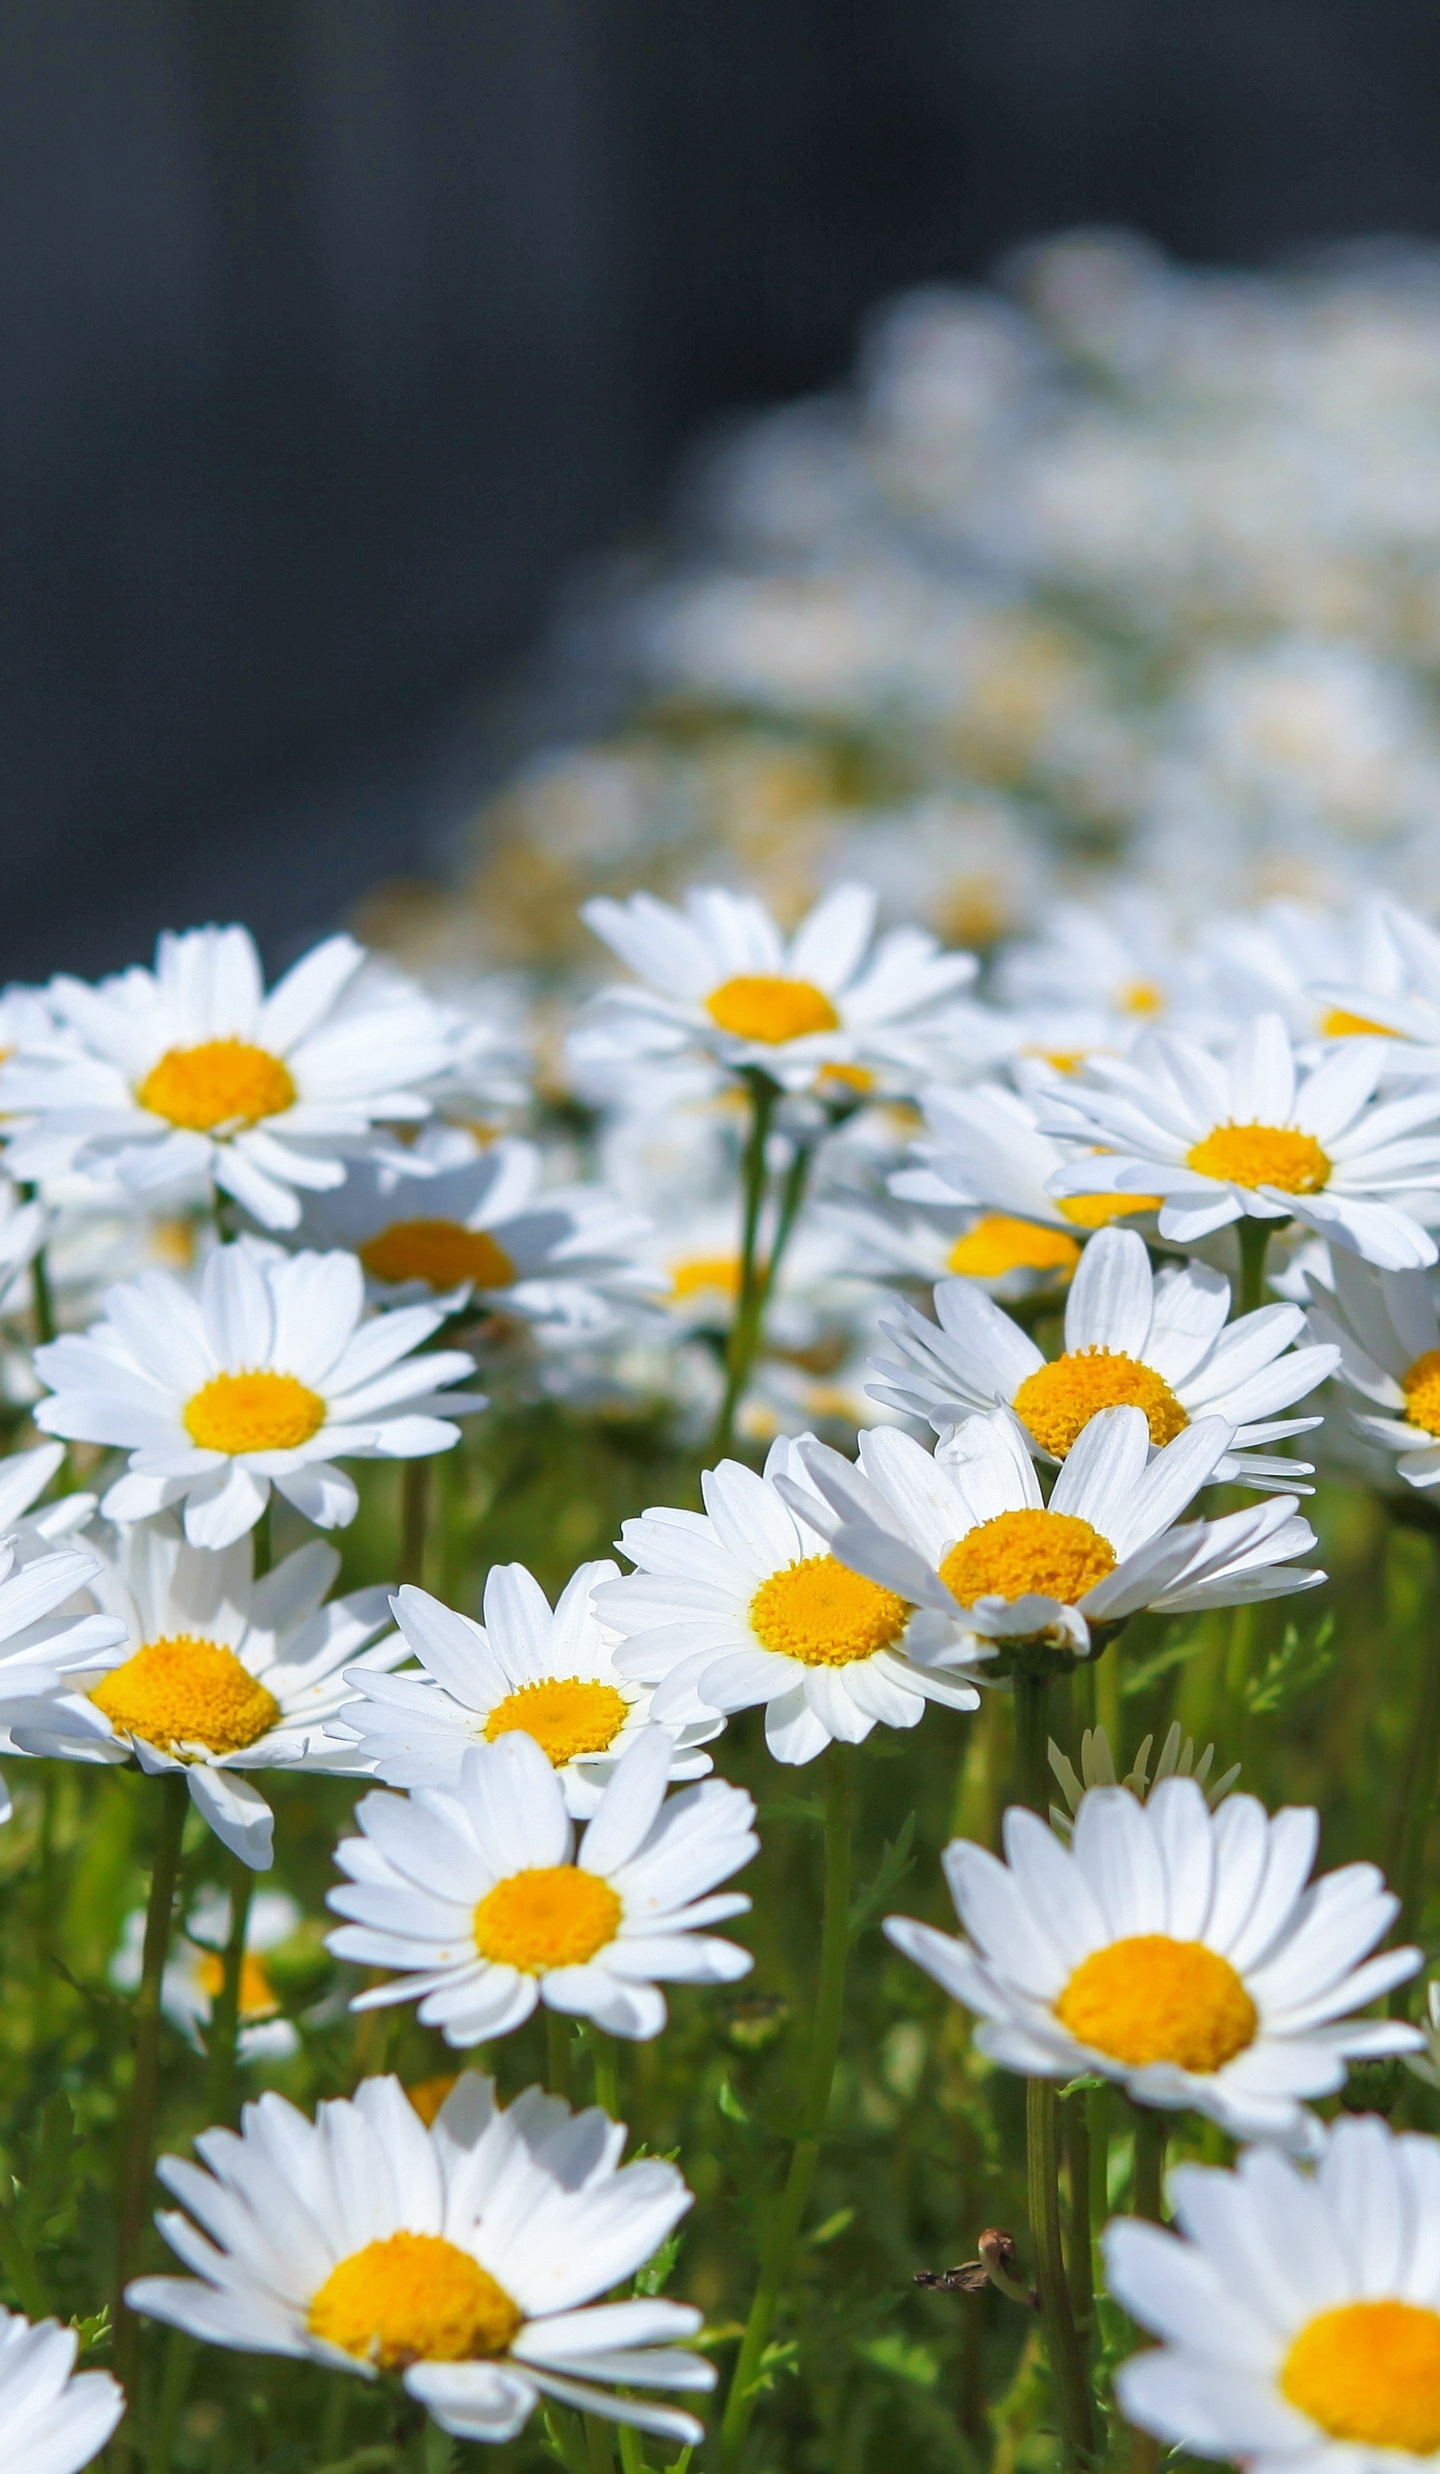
[551, 1676]
[24, 1477]
[464, 2258]
[44, 1643]
[24, 1225]
[192, 1070]
[1405, 1004]
[195, 1971]
[1387, 1330]
[1121, 964]
[1248, 1136]
[1173, 1949]
[1298, 2312]
[481, 1898]
[53, 2419]
[264, 1377]
[1159, 1342]
[744, 1606]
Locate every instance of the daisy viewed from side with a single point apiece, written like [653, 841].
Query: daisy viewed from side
[53, 2419]
[195, 1972]
[463, 2259]
[1386, 1326]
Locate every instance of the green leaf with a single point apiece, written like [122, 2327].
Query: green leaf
[729, 2104]
[655, 2275]
[895, 1863]
[793, 1808]
[1170, 1654]
[94, 2330]
[833, 2226]
[902, 2358]
[1296, 1667]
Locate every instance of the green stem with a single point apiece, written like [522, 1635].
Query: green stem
[333, 2418]
[1151, 2127]
[557, 2053]
[414, 1520]
[606, 2058]
[1079, 2250]
[563, 2432]
[792, 1195]
[749, 1305]
[46, 1885]
[179, 2353]
[1413, 1819]
[599, 2447]
[1254, 1237]
[820, 2075]
[42, 1299]
[172, 1796]
[1062, 2345]
[225, 2016]
[1032, 1742]
[632, 2450]
[26, 2281]
[1097, 2115]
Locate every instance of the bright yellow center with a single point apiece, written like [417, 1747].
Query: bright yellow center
[1151, 1999]
[1141, 997]
[845, 1078]
[997, 1244]
[1255, 1155]
[442, 1253]
[704, 1275]
[564, 1715]
[261, 1412]
[1421, 1386]
[413, 2298]
[824, 1615]
[1338, 1024]
[257, 1993]
[186, 1691]
[222, 1083]
[552, 1916]
[428, 2095]
[1056, 1401]
[772, 1010]
[1098, 1210]
[1369, 2373]
[1052, 1554]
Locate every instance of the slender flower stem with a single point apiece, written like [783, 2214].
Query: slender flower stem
[179, 2353]
[750, 1303]
[1412, 1821]
[792, 1195]
[1081, 2258]
[1097, 2115]
[225, 2016]
[557, 2053]
[632, 2449]
[414, 1519]
[1254, 1237]
[42, 1301]
[172, 1797]
[805, 2156]
[607, 2072]
[1146, 2200]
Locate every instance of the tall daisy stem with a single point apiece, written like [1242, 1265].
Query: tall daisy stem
[805, 2156]
[750, 1303]
[1417, 1803]
[172, 1797]
[1146, 2200]
[1254, 1237]
[414, 1519]
[225, 2016]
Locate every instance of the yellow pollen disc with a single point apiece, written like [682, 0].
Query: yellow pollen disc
[413, 2298]
[706, 1273]
[1338, 1024]
[552, 1916]
[1057, 1400]
[1098, 1210]
[1252, 1155]
[223, 1082]
[825, 1615]
[1421, 1386]
[186, 1691]
[1054, 1554]
[1151, 1999]
[997, 1244]
[772, 1010]
[1141, 997]
[428, 2095]
[846, 1077]
[1369, 2372]
[261, 1412]
[1064, 1060]
[442, 1253]
[257, 1993]
[564, 1715]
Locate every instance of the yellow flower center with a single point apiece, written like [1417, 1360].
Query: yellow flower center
[564, 1715]
[1338, 1024]
[1141, 997]
[1421, 1386]
[261, 1412]
[257, 1993]
[772, 1010]
[413, 2298]
[1098, 1210]
[845, 1078]
[1254, 1155]
[825, 1615]
[219, 1084]
[428, 2095]
[705, 1273]
[1151, 1999]
[442, 1253]
[1057, 1400]
[997, 1244]
[552, 1916]
[1369, 2373]
[1053, 1554]
[186, 1691]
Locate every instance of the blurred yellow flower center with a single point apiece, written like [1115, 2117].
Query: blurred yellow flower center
[704, 1274]
[552, 1916]
[825, 1615]
[1098, 1210]
[413, 2298]
[1057, 1400]
[997, 1244]
[186, 1691]
[1421, 1386]
[1151, 1999]
[222, 1082]
[1254, 1155]
[845, 1078]
[1338, 1024]
[257, 1993]
[428, 2095]
[771, 1009]
[1053, 1554]
[565, 1716]
[1369, 2373]
[442, 1253]
[261, 1412]
[1141, 997]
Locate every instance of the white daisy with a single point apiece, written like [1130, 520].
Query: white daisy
[1123, 964]
[1404, 1001]
[53, 2419]
[44, 1641]
[460, 2257]
[1386, 1327]
[24, 1477]
[1158, 1341]
[481, 1899]
[24, 1226]
[192, 1070]
[264, 1377]
[195, 1971]
[552, 1676]
[1299, 2312]
[744, 1606]
[1174, 1949]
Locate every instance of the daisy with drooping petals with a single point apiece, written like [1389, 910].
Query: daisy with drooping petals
[195, 1972]
[1386, 1327]
[463, 2258]
[53, 2419]
[192, 1070]
[744, 1606]
[1158, 1341]
[1176, 1950]
[551, 1676]
[1299, 2312]
[265, 1377]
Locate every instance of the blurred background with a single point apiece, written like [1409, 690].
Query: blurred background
[337, 331]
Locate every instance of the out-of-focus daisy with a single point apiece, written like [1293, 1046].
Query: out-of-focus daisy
[1248, 1136]
[265, 1377]
[1159, 1342]
[195, 1971]
[1289, 958]
[44, 1643]
[744, 1606]
[1177, 1950]
[34, 1526]
[1405, 1004]
[1123, 964]
[192, 1070]
[1386, 1327]
[551, 1676]
[223, 1674]
[481, 1900]
[53, 2419]
[23, 1228]
[1298, 2312]
[460, 2258]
